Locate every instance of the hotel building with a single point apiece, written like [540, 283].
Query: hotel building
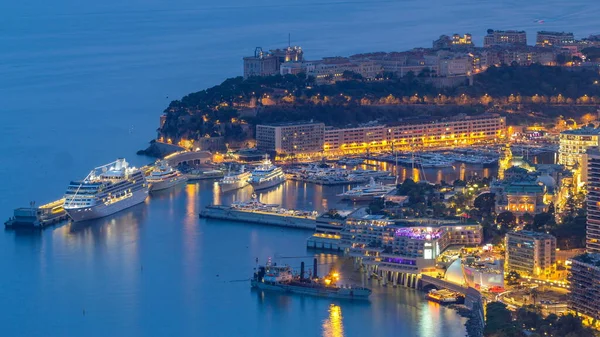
[584, 297]
[573, 144]
[286, 138]
[530, 253]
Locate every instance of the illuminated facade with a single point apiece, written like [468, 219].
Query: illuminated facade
[466, 39]
[585, 288]
[593, 203]
[530, 253]
[460, 130]
[290, 137]
[504, 37]
[481, 275]
[574, 144]
[549, 39]
[379, 241]
[521, 197]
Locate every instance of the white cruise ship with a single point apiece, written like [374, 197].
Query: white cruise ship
[163, 176]
[106, 190]
[235, 180]
[369, 191]
[266, 175]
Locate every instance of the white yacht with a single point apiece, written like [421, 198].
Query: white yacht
[163, 176]
[106, 190]
[266, 175]
[235, 180]
[367, 192]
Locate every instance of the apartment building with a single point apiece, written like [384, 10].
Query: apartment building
[584, 297]
[530, 253]
[549, 39]
[460, 130]
[287, 138]
[504, 37]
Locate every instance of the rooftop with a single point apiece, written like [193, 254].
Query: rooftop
[589, 258]
[532, 235]
[291, 123]
[546, 32]
[583, 131]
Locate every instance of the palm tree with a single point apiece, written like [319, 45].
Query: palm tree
[533, 293]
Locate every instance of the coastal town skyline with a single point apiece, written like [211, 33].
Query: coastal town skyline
[322, 188]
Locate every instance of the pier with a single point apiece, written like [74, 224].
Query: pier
[260, 217]
[38, 217]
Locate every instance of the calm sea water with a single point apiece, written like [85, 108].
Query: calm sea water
[82, 83]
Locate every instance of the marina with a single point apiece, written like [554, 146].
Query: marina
[266, 175]
[235, 180]
[368, 192]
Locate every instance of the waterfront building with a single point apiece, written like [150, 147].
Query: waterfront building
[593, 202]
[261, 64]
[458, 130]
[573, 144]
[584, 297]
[382, 243]
[287, 138]
[530, 253]
[504, 37]
[549, 39]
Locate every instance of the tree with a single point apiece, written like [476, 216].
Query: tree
[506, 218]
[439, 209]
[527, 218]
[485, 203]
[513, 277]
[497, 318]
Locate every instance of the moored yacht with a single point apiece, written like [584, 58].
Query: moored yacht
[163, 176]
[235, 180]
[106, 190]
[367, 192]
[266, 175]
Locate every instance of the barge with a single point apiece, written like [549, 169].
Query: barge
[272, 277]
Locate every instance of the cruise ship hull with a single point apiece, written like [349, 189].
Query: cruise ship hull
[164, 184]
[232, 187]
[346, 293]
[101, 210]
[263, 185]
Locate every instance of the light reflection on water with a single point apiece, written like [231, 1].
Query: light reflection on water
[333, 326]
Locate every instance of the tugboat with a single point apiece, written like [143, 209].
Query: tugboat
[280, 278]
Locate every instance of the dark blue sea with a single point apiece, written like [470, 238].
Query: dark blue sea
[82, 83]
